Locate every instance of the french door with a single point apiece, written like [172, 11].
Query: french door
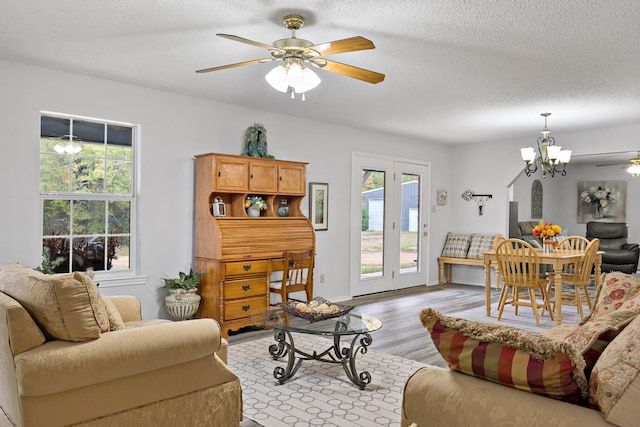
[389, 224]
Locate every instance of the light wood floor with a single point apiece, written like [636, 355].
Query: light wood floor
[402, 334]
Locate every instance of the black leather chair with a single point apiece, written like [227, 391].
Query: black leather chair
[619, 255]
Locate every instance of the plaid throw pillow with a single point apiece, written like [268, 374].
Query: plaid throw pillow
[457, 245]
[512, 357]
[480, 243]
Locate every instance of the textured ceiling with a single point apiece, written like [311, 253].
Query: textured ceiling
[456, 70]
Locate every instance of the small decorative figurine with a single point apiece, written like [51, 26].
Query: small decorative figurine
[255, 142]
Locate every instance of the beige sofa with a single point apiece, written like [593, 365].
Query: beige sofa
[604, 350]
[69, 356]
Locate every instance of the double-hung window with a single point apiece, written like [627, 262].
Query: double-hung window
[87, 170]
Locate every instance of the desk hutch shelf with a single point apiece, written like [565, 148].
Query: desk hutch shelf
[238, 253]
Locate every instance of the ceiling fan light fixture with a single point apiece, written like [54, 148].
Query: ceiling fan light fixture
[292, 75]
[277, 78]
[309, 81]
[634, 169]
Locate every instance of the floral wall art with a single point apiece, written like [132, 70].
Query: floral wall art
[604, 201]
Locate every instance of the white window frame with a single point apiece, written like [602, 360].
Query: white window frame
[112, 277]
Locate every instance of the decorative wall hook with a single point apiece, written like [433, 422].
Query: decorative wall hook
[469, 195]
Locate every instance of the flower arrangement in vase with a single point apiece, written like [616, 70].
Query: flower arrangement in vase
[547, 232]
[599, 198]
[255, 204]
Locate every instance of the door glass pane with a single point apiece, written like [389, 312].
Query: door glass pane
[410, 223]
[372, 234]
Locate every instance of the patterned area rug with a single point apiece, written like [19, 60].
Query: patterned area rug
[320, 394]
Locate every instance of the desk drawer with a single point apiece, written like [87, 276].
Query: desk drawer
[245, 288]
[243, 308]
[245, 267]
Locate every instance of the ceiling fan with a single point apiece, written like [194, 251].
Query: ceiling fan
[296, 54]
[632, 166]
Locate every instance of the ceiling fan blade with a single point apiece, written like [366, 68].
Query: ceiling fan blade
[345, 45]
[238, 64]
[247, 41]
[613, 164]
[348, 70]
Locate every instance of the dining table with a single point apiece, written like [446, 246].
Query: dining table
[557, 258]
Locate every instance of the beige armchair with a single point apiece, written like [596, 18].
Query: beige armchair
[151, 373]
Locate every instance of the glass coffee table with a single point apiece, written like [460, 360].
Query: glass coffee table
[354, 326]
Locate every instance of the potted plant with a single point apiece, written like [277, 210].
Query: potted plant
[254, 205]
[183, 301]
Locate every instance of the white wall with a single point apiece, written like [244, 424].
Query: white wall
[560, 197]
[174, 129]
[492, 167]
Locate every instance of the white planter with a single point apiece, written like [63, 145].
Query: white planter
[253, 212]
[182, 304]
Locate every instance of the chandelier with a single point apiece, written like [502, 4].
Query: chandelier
[551, 158]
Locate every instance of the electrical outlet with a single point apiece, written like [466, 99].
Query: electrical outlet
[322, 278]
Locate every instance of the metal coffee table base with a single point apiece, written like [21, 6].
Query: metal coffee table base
[345, 356]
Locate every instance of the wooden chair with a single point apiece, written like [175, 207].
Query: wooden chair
[519, 266]
[578, 243]
[496, 241]
[297, 275]
[578, 276]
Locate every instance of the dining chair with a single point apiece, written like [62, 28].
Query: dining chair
[297, 275]
[496, 241]
[519, 267]
[574, 242]
[579, 277]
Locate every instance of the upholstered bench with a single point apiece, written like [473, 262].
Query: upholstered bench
[464, 249]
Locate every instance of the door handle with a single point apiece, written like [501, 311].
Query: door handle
[246, 307]
[246, 267]
[246, 287]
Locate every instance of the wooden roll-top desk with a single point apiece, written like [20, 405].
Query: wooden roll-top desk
[238, 253]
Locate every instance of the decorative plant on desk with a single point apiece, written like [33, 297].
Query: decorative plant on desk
[254, 205]
[183, 302]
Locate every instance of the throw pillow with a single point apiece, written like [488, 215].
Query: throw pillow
[594, 336]
[533, 242]
[65, 306]
[115, 319]
[614, 385]
[480, 243]
[456, 245]
[615, 289]
[512, 357]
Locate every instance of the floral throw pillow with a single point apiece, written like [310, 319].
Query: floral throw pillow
[512, 357]
[594, 336]
[614, 385]
[616, 288]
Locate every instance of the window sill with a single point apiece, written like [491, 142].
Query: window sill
[115, 282]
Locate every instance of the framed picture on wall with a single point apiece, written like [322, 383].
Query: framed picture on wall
[319, 205]
[604, 201]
